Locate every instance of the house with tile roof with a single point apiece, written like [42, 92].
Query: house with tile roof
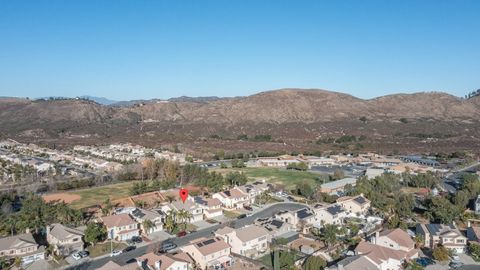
[275, 227]
[195, 210]
[250, 241]
[383, 258]
[355, 205]
[210, 252]
[23, 246]
[167, 261]
[233, 198]
[111, 265]
[355, 263]
[302, 220]
[440, 234]
[396, 239]
[330, 214]
[212, 207]
[120, 227]
[64, 240]
[156, 216]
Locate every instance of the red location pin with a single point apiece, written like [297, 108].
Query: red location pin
[183, 194]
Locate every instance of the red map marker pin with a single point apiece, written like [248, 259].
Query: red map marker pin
[183, 194]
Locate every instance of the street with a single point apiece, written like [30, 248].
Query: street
[125, 258]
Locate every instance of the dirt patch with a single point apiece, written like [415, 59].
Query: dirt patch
[65, 197]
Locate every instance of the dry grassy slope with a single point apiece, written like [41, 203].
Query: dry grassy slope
[287, 113]
[310, 106]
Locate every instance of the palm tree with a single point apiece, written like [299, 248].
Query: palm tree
[148, 225]
[329, 234]
[184, 216]
[170, 222]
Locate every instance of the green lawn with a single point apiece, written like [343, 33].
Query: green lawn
[97, 195]
[105, 248]
[231, 214]
[276, 175]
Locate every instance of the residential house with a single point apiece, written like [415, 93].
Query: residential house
[65, 240]
[157, 217]
[473, 233]
[330, 214]
[250, 241]
[254, 189]
[382, 257]
[210, 252]
[355, 205]
[111, 265]
[275, 227]
[447, 235]
[302, 220]
[337, 187]
[397, 239]
[120, 227]
[195, 210]
[167, 261]
[233, 198]
[211, 207]
[23, 246]
[356, 262]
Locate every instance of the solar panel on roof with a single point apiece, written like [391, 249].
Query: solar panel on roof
[208, 242]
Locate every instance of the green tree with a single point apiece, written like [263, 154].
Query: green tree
[95, 232]
[441, 210]
[148, 225]
[236, 178]
[474, 250]
[441, 253]
[184, 216]
[329, 234]
[304, 189]
[314, 263]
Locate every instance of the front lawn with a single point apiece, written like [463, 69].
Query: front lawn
[231, 214]
[105, 248]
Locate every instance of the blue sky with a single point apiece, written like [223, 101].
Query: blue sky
[158, 49]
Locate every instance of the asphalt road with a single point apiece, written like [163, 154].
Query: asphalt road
[453, 177]
[123, 258]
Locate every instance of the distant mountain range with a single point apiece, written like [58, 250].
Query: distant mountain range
[293, 119]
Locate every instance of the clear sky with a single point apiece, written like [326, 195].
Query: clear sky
[158, 49]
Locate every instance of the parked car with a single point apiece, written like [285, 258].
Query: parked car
[247, 207]
[136, 239]
[455, 265]
[424, 261]
[129, 248]
[76, 256]
[167, 246]
[115, 253]
[84, 253]
[181, 234]
[242, 216]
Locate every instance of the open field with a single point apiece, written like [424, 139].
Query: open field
[97, 195]
[64, 197]
[289, 178]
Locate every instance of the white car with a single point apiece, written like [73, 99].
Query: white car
[115, 253]
[76, 256]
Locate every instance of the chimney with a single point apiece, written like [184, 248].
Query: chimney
[469, 224]
[49, 228]
[158, 264]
